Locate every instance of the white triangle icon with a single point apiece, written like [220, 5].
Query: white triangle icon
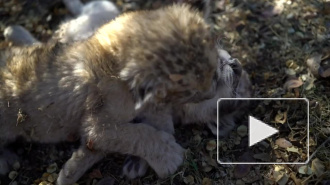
[259, 131]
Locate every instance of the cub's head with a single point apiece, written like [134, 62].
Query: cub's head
[172, 57]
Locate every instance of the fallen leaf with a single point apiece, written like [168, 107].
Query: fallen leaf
[207, 168]
[308, 81]
[207, 181]
[283, 180]
[262, 156]
[293, 149]
[278, 175]
[281, 117]
[211, 145]
[292, 65]
[295, 179]
[318, 167]
[189, 179]
[283, 143]
[292, 83]
[306, 170]
[313, 63]
[52, 177]
[52, 168]
[241, 170]
[43, 183]
[45, 176]
[324, 72]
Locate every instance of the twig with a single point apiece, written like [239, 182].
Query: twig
[319, 147]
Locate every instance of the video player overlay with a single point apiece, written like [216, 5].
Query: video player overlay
[267, 131]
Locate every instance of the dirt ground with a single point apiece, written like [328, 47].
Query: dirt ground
[279, 42]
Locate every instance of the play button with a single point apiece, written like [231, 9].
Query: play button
[259, 131]
[261, 127]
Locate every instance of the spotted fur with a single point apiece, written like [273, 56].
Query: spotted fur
[97, 86]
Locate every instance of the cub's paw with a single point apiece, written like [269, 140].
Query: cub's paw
[7, 159]
[134, 167]
[80, 161]
[167, 155]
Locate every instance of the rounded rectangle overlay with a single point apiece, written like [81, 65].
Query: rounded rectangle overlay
[285, 119]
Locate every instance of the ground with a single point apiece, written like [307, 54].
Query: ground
[277, 41]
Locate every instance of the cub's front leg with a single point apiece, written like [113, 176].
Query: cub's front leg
[159, 118]
[158, 148]
[80, 161]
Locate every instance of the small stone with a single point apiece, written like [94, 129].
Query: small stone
[12, 175]
[242, 130]
[16, 165]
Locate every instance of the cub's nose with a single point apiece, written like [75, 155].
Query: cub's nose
[236, 66]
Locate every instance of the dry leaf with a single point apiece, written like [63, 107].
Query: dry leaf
[283, 180]
[211, 145]
[283, 143]
[207, 168]
[52, 177]
[281, 117]
[262, 156]
[241, 170]
[318, 167]
[313, 63]
[52, 168]
[207, 181]
[293, 149]
[189, 179]
[292, 65]
[308, 81]
[305, 170]
[295, 179]
[278, 175]
[324, 72]
[242, 130]
[292, 83]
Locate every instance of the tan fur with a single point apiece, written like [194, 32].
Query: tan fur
[95, 87]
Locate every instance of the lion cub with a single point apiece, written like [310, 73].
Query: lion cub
[95, 87]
